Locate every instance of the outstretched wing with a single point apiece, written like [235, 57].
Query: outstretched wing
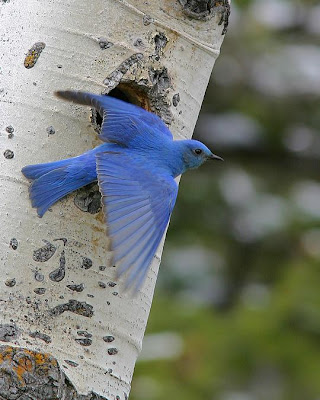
[123, 122]
[138, 203]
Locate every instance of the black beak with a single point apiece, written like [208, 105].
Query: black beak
[215, 157]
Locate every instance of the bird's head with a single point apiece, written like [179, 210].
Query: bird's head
[196, 153]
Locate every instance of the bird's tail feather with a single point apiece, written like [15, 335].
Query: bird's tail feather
[37, 170]
[52, 181]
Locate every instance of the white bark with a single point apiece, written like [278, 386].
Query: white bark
[73, 59]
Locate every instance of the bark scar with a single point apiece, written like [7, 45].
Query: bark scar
[33, 54]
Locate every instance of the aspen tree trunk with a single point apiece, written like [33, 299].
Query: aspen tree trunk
[67, 330]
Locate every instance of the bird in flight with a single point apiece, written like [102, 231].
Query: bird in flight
[135, 168]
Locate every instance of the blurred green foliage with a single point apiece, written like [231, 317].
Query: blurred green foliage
[251, 349]
[249, 316]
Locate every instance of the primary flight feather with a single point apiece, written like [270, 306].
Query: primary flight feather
[135, 169]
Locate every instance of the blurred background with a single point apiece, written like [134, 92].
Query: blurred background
[236, 315]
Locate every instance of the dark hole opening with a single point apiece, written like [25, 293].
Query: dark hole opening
[119, 94]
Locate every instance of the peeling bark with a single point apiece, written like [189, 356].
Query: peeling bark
[68, 330]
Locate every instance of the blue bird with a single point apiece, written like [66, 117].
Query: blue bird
[135, 169]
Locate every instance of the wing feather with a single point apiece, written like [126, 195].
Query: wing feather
[137, 274]
[122, 122]
[128, 212]
[138, 204]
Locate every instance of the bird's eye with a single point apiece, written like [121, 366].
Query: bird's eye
[198, 151]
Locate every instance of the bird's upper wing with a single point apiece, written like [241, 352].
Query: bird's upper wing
[122, 122]
[138, 203]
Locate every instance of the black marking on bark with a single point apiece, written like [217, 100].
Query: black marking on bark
[14, 244]
[112, 284]
[88, 199]
[112, 351]
[41, 336]
[71, 363]
[138, 42]
[84, 341]
[160, 41]
[104, 43]
[8, 154]
[64, 240]
[108, 338]
[176, 99]
[147, 20]
[10, 282]
[159, 79]
[8, 332]
[205, 9]
[102, 267]
[44, 253]
[76, 288]
[84, 333]
[51, 130]
[58, 274]
[86, 263]
[40, 290]
[112, 80]
[38, 276]
[159, 103]
[75, 306]
[225, 10]
[199, 9]
[33, 54]
[102, 285]
[10, 129]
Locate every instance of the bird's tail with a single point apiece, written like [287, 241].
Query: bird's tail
[35, 171]
[52, 181]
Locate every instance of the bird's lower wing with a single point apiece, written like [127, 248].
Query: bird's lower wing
[138, 203]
